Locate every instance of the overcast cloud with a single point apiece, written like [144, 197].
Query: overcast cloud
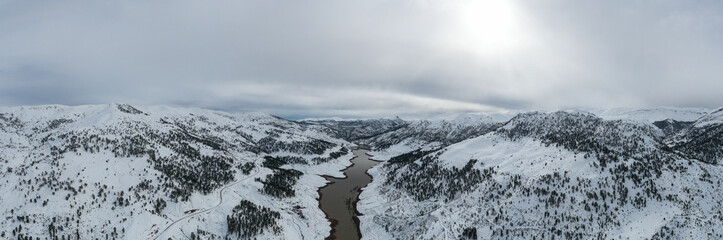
[363, 58]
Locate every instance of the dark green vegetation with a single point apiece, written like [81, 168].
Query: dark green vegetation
[426, 179]
[248, 219]
[313, 146]
[280, 184]
[354, 130]
[443, 133]
[701, 141]
[671, 127]
[630, 159]
[173, 156]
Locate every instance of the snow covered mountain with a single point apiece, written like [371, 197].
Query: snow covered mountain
[352, 130]
[652, 114]
[433, 133]
[554, 175]
[120, 172]
[128, 172]
[703, 139]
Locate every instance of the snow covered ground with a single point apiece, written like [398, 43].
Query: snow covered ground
[537, 186]
[156, 172]
[130, 172]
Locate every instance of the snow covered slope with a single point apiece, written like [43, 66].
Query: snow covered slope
[356, 129]
[547, 176]
[703, 139]
[122, 172]
[433, 133]
[126, 172]
[652, 114]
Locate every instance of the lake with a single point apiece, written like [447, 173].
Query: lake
[338, 198]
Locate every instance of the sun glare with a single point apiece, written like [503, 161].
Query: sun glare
[487, 26]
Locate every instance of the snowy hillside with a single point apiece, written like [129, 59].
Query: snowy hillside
[652, 114]
[703, 139]
[432, 133]
[129, 172]
[356, 129]
[122, 172]
[548, 176]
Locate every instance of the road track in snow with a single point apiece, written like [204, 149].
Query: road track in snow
[220, 201]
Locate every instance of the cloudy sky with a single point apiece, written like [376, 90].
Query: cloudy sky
[363, 58]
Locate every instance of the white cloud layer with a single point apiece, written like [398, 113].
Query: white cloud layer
[363, 58]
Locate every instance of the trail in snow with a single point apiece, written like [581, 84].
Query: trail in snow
[220, 201]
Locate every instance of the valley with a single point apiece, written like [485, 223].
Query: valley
[361, 120]
[118, 171]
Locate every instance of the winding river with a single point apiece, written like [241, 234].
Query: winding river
[338, 198]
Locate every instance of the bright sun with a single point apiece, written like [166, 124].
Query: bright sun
[487, 26]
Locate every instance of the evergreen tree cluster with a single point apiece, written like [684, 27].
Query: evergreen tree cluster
[276, 162]
[270, 144]
[671, 127]
[469, 233]
[159, 205]
[425, 132]
[185, 171]
[354, 130]
[246, 167]
[248, 220]
[9, 122]
[630, 157]
[704, 143]
[281, 183]
[609, 141]
[127, 108]
[332, 156]
[424, 178]
[187, 154]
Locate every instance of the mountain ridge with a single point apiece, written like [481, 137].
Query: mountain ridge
[134, 172]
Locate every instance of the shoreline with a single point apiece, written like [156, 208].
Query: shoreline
[334, 222]
[355, 218]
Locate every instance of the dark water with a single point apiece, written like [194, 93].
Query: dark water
[339, 197]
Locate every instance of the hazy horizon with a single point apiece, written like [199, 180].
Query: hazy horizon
[402, 115]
